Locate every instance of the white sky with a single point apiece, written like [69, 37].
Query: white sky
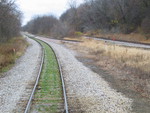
[31, 8]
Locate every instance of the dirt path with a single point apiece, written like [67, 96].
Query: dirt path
[139, 105]
[89, 92]
[13, 84]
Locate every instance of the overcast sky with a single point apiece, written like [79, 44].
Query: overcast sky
[31, 8]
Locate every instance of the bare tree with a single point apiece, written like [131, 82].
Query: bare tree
[107, 15]
[41, 25]
[10, 20]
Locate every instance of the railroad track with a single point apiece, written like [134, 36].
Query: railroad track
[73, 103]
[48, 93]
[122, 42]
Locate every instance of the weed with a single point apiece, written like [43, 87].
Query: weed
[10, 51]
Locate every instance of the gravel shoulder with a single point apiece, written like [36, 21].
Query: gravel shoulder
[91, 92]
[13, 83]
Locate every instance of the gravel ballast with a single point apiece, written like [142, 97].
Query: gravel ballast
[13, 83]
[91, 92]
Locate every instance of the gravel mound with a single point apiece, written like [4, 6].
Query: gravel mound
[92, 93]
[14, 82]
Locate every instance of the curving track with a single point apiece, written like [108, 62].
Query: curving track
[30, 101]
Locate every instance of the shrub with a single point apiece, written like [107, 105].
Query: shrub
[78, 33]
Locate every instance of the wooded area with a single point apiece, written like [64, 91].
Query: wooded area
[115, 16]
[10, 20]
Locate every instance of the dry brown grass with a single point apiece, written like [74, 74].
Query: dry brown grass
[11, 50]
[132, 63]
[133, 57]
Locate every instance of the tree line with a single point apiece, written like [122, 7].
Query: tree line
[10, 20]
[116, 16]
[47, 25]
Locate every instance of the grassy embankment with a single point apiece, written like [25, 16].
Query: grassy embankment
[10, 51]
[48, 96]
[132, 62]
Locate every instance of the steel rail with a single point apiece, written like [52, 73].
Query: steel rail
[27, 109]
[61, 75]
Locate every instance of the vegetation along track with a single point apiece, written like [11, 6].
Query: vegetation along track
[48, 95]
